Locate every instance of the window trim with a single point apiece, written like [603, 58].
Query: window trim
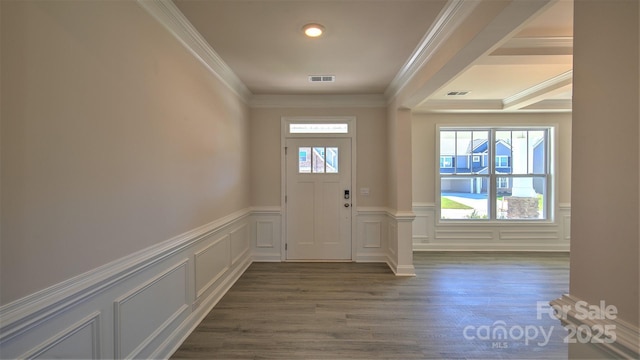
[287, 121]
[501, 157]
[550, 184]
[450, 162]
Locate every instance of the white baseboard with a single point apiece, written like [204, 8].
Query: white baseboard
[372, 258]
[575, 313]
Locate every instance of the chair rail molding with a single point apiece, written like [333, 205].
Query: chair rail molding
[96, 308]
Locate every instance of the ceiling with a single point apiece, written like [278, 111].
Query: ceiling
[369, 44]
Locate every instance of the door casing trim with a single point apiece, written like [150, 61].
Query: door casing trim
[284, 135]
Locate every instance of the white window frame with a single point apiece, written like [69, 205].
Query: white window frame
[450, 162]
[502, 182]
[549, 183]
[499, 159]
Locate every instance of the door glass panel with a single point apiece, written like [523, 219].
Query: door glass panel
[331, 160]
[318, 160]
[304, 160]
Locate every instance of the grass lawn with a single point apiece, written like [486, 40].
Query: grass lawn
[446, 203]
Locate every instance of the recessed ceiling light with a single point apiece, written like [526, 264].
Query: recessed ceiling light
[313, 30]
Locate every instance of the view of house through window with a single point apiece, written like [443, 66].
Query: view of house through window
[318, 160]
[494, 174]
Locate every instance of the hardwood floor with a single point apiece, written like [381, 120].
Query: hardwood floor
[453, 308]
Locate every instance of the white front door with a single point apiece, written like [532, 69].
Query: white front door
[318, 224]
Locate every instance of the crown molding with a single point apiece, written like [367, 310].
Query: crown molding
[557, 105]
[504, 22]
[533, 94]
[459, 106]
[539, 42]
[166, 12]
[317, 101]
[491, 106]
[449, 19]
[548, 45]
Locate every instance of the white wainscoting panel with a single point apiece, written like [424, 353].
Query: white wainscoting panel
[393, 238]
[400, 258]
[371, 242]
[458, 233]
[423, 224]
[211, 263]
[239, 243]
[266, 234]
[143, 305]
[430, 234]
[143, 313]
[81, 339]
[372, 234]
[423, 229]
[378, 231]
[528, 234]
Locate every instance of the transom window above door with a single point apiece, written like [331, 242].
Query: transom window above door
[317, 160]
[318, 128]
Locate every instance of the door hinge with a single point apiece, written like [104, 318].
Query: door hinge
[286, 246]
[285, 199]
[285, 150]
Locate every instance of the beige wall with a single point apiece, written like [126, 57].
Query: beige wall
[605, 186]
[400, 155]
[114, 138]
[424, 147]
[371, 152]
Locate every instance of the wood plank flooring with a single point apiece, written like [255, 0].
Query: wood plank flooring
[363, 311]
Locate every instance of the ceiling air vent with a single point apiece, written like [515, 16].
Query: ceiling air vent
[457, 93]
[322, 78]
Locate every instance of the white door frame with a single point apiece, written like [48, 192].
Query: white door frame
[286, 134]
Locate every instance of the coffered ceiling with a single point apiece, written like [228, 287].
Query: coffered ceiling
[370, 45]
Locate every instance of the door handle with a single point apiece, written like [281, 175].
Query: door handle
[347, 205]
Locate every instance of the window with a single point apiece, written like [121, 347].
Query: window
[320, 128]
[503, 183]
[446, 161]
[514, 186]
[502, 161]
[318, 160]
